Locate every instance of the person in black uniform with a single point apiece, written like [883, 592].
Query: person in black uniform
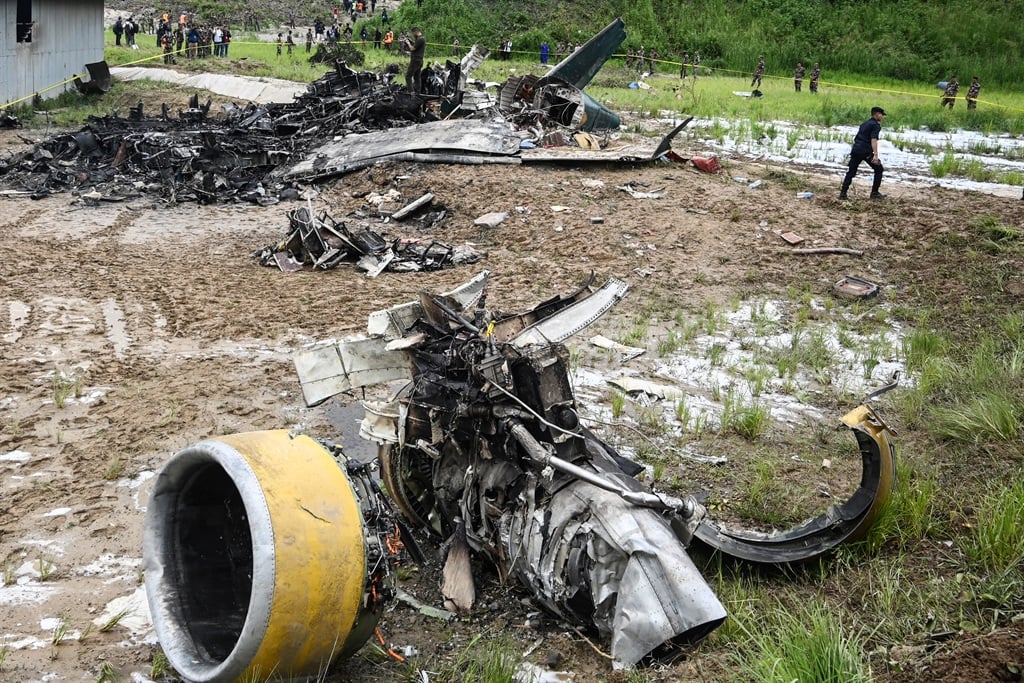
[865, 148]
[416, 46]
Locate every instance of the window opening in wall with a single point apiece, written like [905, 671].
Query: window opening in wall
[24, 21]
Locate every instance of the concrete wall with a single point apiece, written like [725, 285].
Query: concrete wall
[65, 37]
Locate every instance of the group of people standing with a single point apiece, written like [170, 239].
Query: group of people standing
[126, 28]
[689, 63]
[798, 75]
[952, 89]
[641, 59]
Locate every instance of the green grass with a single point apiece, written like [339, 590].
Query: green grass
[912, 512]
[481, 661]
[807, 643]
[747, 419]
[997, 541]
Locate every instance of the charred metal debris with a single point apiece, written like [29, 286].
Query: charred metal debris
[485, 449]
[318, 241]
[262, 154]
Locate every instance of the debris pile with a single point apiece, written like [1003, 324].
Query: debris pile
[195, 156]
[260, 154]
[316, 240]
[484, 447]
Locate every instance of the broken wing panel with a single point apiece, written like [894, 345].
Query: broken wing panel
[483, 138]
[569, 321]
[848, 521]
[392, 323]
[339, 366]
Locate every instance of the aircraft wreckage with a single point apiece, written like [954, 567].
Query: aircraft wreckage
[344, 121]
[272, 551]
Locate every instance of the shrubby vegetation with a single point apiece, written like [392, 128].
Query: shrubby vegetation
[900, 39]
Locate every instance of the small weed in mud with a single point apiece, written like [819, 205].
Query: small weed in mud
[108, 674]
[45, 567]
[672, 342]
[113, 621]
[171, 414]
[60, 632]
[650, 418]
[658, 470]
[758, 379]
[4, 651]
[63, 387]
[8, 577]
[636, 335]
[749, 420]
[161, 666]
[115, 468]
[86, 632]
[618, 403]
[996, 236]
[683, 414]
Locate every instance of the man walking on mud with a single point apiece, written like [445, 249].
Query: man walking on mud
[865, 148]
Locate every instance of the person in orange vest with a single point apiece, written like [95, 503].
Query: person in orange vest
[389, 39]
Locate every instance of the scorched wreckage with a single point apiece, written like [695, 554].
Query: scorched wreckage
[274, 553]
[346, 120]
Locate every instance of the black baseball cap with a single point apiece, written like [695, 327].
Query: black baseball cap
[878, 110]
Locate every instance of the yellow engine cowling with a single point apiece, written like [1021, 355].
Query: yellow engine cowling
[258, 560]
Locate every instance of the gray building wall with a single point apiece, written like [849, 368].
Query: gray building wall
[66, 36]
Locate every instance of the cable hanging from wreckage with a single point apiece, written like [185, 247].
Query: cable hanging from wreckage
[484, 448]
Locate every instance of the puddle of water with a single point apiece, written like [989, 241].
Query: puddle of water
[907, 154]
[750, 356]
[19, 311]
[23, 642]
[15, 456]
[27, 593]
[114, 318]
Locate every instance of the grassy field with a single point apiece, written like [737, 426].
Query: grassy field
[843, 98]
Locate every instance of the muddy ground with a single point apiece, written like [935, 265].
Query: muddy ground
[130, 330]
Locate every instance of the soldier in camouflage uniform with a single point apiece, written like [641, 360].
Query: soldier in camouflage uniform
[815, 75]
[972, 93]
[758, 72]
[798, 76]
[949, 96]
[696, 63]
[682, 69]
